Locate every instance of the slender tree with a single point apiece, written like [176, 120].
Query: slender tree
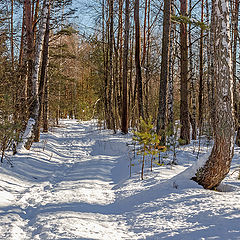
[137, 59]
[200, 95]
[125, 70]
[184, 112]
[161, 119]
[193, 81]
[43, 76]
[28, 135]
[234, 57]
[171, 73]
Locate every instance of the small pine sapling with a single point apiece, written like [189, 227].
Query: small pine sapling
[148, 141]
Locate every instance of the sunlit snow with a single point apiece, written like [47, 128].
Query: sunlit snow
[74, 184]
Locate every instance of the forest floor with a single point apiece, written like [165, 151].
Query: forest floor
[75, 184]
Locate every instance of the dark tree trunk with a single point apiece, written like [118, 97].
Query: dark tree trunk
[200, 96]
[110, 86]
[137, 59]
[42, 78]
[184, 112]
[161, 119]
[193, 83]
[30, 49]
[125, 71]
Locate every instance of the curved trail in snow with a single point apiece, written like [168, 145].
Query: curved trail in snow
[74, 184]
[67, 182]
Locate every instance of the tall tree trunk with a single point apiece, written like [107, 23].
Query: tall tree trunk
[42, 78]
[200, 96]
[171, 74]
[125, 71]
[193, 83]
[236, 102]
[147, 64]
[184, 112]
[30, 49]
[137, 59]
[12, 43]
[210, 75]
[144, 32]
[105, 67]
[22, 77]
[161, 119]
[28, 135]
[110, 87]
[218, 164]
[120, 50]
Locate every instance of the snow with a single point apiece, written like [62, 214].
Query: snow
[75, 184]
[26, 134]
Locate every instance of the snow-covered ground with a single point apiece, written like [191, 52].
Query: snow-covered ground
[75, 184]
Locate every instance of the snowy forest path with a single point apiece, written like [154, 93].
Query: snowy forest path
[67, 181]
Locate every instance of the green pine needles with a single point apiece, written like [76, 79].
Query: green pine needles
[148, 141]
[187, 20]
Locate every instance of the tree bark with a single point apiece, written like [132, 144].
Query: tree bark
[161, 119]
[218, 164]
[42, 78]
[200, 96]
[125, 71]
[34, 107]
[184, 112]
[137, 59]
[110, 87]
[193, 84]
[234, 57]
[171, 74]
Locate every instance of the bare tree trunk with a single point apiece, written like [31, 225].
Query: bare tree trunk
[30, 49]
[137, 59]
[200, 96]
[184, 112]
[218, 164]
[161, 119]
[28, 135]
[110, 87]
[22, 74]
[42, 78]
[193, 83]
[35, 18]
[210, 76]
[147, 64]
[105, 66]
[171, 74]
[234, 57]
[125, 71]
[11, 38]
[45, 105]
[144, 32]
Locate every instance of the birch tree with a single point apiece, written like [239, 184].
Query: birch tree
[218, 164]
[28, 135]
